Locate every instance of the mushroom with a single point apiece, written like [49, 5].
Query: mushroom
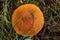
[27, 20]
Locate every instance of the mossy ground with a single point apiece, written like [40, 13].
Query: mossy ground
[51, 12]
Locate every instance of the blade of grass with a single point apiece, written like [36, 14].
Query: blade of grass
[2, 22]
[43, 1]
[19, 19]
[16, 36]
[27, 1]
[5, 11]
[1, 28]
[0, 35]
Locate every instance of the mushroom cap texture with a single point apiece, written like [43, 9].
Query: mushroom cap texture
[31, 23]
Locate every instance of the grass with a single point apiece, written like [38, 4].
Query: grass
[50, 9]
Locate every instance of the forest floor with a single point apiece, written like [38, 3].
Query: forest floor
[51, 12]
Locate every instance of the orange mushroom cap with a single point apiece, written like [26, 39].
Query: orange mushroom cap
[27, 18]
